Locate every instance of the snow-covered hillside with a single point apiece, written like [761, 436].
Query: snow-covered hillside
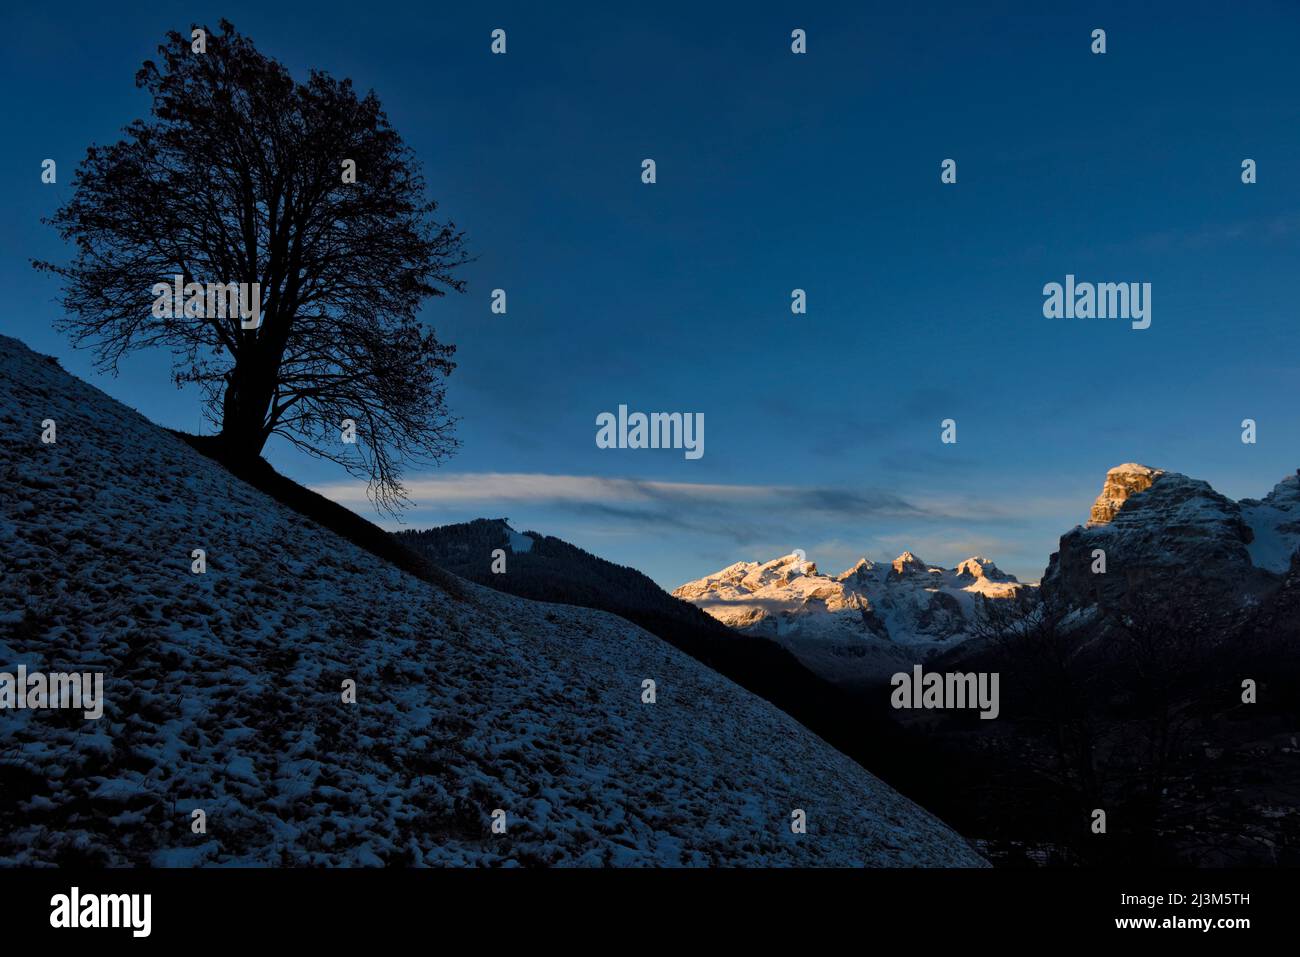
[223, 692]
[863, 624]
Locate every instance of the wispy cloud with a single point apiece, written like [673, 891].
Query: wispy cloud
[728, 522]
[503, 488]
[1212, 235]
[739, 513]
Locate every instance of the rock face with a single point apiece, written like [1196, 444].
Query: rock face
[1277, 623]
[1122, 483]
[860, 625]
[1169, 537]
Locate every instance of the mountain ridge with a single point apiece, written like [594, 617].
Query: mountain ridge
[861, 625]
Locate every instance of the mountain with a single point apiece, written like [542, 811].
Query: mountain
[223, 692]
[546, 568]
[1125, 689]
[1167, 537]
[858, 626]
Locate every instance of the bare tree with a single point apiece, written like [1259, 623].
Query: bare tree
[1119, 697]
[239, 177]
[1160, 653]
[1055, 682]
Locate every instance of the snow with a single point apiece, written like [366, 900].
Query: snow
[1275, 524]
[519, 544]
[223, 692]
[861, 625]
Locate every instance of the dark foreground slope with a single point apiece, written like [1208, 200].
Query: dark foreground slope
[856, 721]
[545, 568]
[223, 692]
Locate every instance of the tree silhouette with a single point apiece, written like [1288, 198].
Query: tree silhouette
[239, 177]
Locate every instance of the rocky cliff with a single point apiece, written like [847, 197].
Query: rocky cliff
[1154, 535]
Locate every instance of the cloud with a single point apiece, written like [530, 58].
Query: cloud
[502, 488]
[1213, 235]
[835, 525]
[744, 514]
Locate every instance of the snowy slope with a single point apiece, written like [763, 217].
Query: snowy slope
[863, 624]
[1274, 522]
[223, 692]
[519, 543]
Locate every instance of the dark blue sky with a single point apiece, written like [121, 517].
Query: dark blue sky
[778, 171]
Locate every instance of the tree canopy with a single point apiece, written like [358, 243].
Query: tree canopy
[243, 175]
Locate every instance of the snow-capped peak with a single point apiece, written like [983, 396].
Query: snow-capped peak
[862, 569]
[859, 623]
[907, 563]
[977, 566]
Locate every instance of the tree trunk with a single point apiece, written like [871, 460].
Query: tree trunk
[244, 407]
